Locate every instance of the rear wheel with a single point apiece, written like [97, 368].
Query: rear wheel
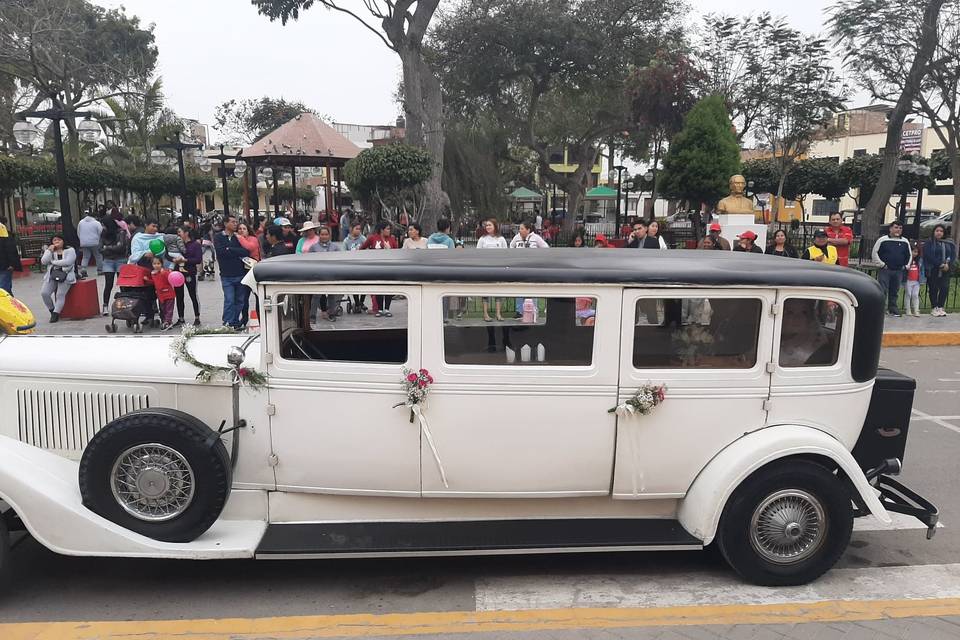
[787, 524]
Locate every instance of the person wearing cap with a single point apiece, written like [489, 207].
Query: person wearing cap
[719, 242]
[308, 236]
[289, 234]
[821, 250]
[745, 242]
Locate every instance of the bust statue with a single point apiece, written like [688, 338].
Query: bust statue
[736, 202]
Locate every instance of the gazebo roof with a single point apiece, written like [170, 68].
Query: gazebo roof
[304, 141]
[522, 193]
[601, 193]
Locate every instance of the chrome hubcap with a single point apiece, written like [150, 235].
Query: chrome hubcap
[152, 482]
[788, 526]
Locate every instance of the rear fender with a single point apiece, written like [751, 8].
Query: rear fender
[700, 509]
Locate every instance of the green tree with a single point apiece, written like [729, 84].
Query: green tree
[763, 173]
[560, 84]
[74, 54]
[402, 26]
[814, 175]
[390, 176]
[136, 122]
[662, 93]
[478, 161]
[803, 98]
[703, 155]
[862, 174]
[887, 45]
[740, 59]
[241, 122]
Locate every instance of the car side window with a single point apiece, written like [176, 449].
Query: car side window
[343, 327]
[703, 333]
[518, 331]
[810, 333]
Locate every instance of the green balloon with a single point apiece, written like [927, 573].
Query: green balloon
[157, 247]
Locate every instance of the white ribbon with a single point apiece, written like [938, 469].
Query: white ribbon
[425, 429]
[626, 410]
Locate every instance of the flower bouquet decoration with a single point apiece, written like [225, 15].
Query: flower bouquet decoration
[415, 384]
[644, 400]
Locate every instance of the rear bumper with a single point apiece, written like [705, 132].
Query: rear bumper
[896, 497]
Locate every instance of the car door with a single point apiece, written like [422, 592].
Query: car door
[812, 383]
[710, 348]
[333, 387]
[519, 407]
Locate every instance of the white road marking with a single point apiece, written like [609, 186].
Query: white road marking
[912, 418]
[899, 521]
[719, 587]
[938, 421]
[941, 391]
[948, 379]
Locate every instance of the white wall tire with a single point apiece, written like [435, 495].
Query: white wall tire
[787, 524]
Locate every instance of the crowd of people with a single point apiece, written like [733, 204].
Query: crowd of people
[196, 251]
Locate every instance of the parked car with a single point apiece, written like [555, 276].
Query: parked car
[908, 221]
[662, 403]
[927, 226]
[50, 216]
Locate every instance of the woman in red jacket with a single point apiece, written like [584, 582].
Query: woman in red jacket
[381, 238]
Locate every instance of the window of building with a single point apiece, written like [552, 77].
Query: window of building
[556, 156]
[703, 333]
[519, 331]
[859, 152]
[335, 327]
[825, 207]
[810, 333]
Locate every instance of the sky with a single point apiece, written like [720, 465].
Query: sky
[214, 50]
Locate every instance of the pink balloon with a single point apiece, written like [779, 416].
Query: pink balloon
[176, 279]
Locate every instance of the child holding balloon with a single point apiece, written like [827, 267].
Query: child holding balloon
[163, 283]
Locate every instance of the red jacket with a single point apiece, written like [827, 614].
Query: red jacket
[161, 282]
[376, 241]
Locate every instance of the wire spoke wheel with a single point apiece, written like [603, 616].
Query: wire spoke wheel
[152, 482]
[788, 527]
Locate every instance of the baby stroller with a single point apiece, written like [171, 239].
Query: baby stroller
[136, 302]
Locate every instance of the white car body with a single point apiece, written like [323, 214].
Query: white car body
[324, 442]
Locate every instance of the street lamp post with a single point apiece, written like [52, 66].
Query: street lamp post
[627, 188]
[179, 145]
[27, 134]
[619, 174]
[648, 182]
[223, 157]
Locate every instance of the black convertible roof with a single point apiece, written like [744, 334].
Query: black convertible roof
[594, 266]
[614, 266]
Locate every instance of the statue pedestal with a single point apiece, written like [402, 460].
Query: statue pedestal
[735, 219]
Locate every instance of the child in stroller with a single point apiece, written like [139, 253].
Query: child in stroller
[136, 302]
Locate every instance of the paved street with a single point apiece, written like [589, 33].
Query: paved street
[891, 583]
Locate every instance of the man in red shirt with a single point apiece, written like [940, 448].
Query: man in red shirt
[840, 236]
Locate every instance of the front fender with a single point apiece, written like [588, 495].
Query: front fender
[700, 509]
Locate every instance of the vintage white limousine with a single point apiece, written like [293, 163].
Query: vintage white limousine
[572, 400]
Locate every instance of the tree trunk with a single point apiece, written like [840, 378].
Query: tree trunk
[874, 213]
[778, 198]
[423, 109]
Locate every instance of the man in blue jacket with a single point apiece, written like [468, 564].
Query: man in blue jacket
[230, 255]
[893, 253]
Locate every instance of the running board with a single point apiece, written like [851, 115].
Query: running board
[465, 538]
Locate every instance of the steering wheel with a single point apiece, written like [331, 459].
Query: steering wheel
[297, 340]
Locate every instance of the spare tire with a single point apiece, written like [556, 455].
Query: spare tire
[159, 472]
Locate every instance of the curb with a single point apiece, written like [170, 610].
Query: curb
[921, 339]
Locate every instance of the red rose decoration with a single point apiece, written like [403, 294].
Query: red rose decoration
[412, 377]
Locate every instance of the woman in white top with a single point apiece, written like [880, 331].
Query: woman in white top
[527, 238]
[414, 239]
[491, 240]
[653, 231]
[59, 277]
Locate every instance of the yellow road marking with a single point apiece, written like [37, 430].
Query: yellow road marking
[921, 339]
[413, 624]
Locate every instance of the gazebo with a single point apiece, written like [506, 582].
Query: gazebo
[601, 193]
[304, 141]
[522, 195]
